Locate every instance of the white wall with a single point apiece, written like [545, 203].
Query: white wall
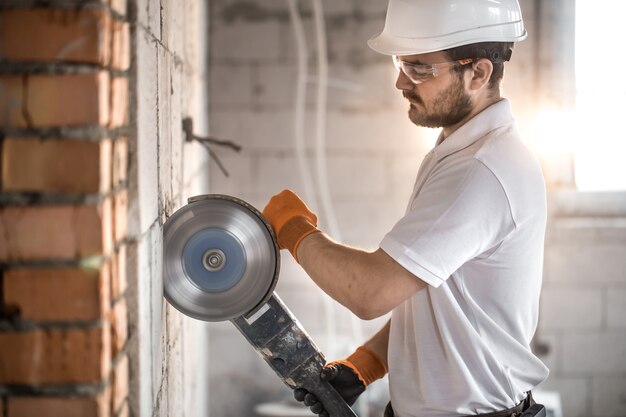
[373, 156]
[168, 351]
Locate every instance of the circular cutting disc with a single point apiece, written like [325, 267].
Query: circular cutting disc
[221, 259]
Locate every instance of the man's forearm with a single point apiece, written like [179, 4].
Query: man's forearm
[379, 343]
[335, 268]
[369, 284]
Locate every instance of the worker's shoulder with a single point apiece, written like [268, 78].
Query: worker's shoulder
[503, 151]
[515, 167]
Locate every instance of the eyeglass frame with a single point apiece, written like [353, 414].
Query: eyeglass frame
[433, 69]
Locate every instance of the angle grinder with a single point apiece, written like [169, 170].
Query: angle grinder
[221, 262]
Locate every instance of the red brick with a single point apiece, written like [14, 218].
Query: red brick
[120, 161]
[68, 99]
[120, 51]
[57, 294]
[11, 100]
[119, 326]
[119, 384]
[119, 101]
[120, 215]
[81, 35]
[98, 406]
[118, 273]
[55, 232]
[55, 100]
[58, 166]
[55, 356]
[94, 227]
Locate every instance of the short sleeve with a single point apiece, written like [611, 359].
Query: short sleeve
[461, 212]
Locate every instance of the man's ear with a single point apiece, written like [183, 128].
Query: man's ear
[481, 72]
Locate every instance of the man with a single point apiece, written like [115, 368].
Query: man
[461, 271]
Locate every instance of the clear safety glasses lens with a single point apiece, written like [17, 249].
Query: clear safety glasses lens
[420, 73]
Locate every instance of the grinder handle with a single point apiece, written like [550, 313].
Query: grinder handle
[286, 347]
[333, 402]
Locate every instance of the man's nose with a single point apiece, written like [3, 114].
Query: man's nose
[403, 82]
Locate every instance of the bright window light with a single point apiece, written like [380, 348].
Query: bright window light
[600, 154]
[554, 133]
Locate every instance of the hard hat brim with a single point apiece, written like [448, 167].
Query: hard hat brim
[388, 44]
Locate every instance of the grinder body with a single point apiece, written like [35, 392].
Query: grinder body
[286, 347]
[221, 262]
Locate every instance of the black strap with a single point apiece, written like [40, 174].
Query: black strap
[513, 411]
[516, 411]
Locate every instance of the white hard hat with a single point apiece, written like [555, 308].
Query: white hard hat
[422, 26]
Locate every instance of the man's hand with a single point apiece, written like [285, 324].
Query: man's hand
[291, 219]
[349, 377]
[345, 381]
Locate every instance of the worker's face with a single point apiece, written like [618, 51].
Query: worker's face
[442, 101]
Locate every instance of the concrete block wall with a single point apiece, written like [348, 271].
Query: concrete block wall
[582, 314]
[168, 83]
[373, 156]
[64, 141]
[581, 317]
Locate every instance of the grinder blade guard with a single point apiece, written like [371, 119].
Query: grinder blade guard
[221, 262]
[220, 258]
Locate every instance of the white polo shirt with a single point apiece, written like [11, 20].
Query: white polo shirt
[474, 232]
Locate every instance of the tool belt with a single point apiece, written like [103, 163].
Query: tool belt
[516, 411]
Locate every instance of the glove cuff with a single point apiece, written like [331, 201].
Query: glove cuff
[293, 232]
[366, 364]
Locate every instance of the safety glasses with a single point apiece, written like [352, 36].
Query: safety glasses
[420, 73]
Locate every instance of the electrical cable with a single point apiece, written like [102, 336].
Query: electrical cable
[305, 169]
[320, 120]
[320, 155]
[300, 105]
[320, 150]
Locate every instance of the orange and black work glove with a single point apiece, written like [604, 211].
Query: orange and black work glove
[291, 219]
[349, 377]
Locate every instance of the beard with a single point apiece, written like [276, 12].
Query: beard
[448, 109]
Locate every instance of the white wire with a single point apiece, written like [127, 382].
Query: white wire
[320, 156]
[320, 120]
[320, 151]
[301, 86]
[305, 170]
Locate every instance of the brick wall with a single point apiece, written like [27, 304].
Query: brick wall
[64, 122]
[92, 95]
[373, 155]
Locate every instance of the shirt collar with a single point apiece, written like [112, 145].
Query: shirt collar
[493, 117]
